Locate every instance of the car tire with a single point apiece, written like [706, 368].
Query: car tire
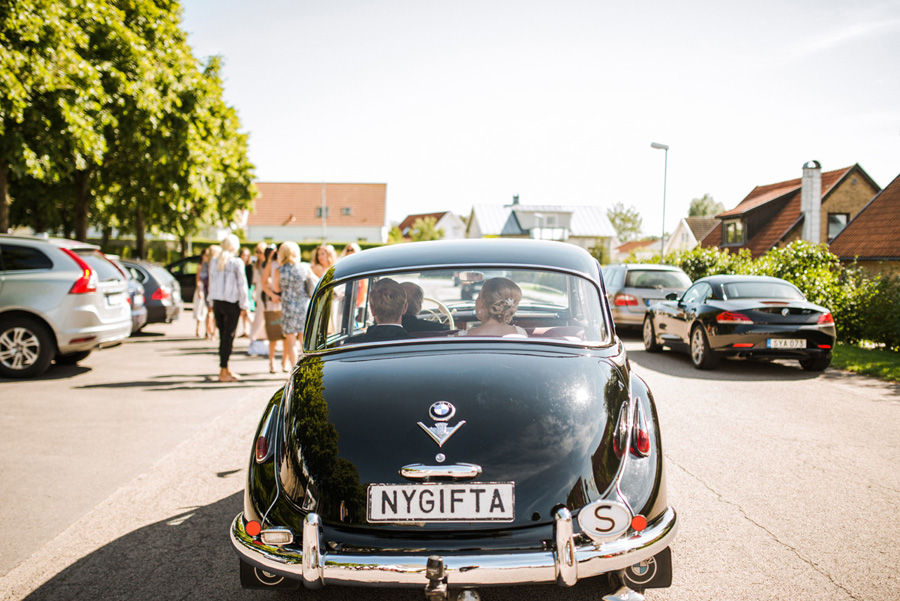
[257, 578]
[649, 335]
[72, 358]
[702, 356]
[26, 348]
[816, 363]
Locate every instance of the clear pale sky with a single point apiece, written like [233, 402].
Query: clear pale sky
[455, 103]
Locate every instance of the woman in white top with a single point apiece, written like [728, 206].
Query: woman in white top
[495, 307]
[229, 293]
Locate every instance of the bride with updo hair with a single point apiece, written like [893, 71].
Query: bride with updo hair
[495, 307]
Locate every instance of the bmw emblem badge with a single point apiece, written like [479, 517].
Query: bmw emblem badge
[442, 411]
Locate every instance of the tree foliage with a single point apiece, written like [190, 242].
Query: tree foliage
[425, 229]
[627, 222]
[705, 206]
[143, 140]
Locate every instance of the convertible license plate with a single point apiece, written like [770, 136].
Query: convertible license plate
[442, 502]
[785, 343]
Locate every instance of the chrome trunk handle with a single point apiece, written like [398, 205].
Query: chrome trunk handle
[457, 471]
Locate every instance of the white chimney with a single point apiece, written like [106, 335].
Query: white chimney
[811, 201]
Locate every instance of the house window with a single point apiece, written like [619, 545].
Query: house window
[319, 212]
[734, 232]
[346, 212]
[836, 223]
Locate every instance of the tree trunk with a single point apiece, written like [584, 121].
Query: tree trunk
[82, 204]
[139, 232]
[4, 198]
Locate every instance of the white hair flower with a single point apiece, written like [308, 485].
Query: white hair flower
[511, 302]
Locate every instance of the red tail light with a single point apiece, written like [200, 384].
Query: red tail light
[88, 280]
[742, 345]
[161, 293]
[641, 444]
[624, 300]
[825, 318]
[262, 449]
[732, 317]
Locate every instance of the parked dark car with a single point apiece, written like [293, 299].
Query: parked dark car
[162, 294]
[446, 461]
[742, 316]
[185, 271]
[135, 296]
[632, 287]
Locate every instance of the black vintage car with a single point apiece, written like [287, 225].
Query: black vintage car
[448, 460]
[742, 316]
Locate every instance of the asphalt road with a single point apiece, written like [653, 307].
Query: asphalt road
[120, 477]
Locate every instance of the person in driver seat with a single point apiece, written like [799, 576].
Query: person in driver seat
[388, 302]
[414, 297]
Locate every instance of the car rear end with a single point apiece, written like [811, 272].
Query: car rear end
[631, 289]
[95, 312]
[168, 293]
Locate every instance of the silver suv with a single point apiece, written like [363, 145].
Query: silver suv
[59, 299]
[632, 287]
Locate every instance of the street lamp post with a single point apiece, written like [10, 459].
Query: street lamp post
[662, 240]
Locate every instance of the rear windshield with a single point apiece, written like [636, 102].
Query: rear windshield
[647, 278]
[761, 290]
[104, 268]
[162, 276]
[529, 304]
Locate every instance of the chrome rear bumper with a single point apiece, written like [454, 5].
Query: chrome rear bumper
[564, 565]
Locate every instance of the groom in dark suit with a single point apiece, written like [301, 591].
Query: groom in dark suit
[388, 302]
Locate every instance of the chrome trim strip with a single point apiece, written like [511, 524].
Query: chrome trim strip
[459, 471]
[469, 570]
[564, 538]
[312, 559]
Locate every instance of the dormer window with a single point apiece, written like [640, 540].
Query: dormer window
[733, 232]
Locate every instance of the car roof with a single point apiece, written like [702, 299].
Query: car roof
[474, 252]
[648, 266]
[729, 278]
[58, 242]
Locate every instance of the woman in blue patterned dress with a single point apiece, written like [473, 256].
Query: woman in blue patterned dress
[290, 287]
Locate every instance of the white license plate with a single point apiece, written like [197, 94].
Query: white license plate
[785, 343]
[442, 502]
[114, 300]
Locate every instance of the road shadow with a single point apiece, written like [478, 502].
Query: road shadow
[54, 372]
[189, 556]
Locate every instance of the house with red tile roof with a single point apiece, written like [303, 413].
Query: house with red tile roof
[873, 237]
[450, 223]
[814, 207]
[306, 212]
[638, 250]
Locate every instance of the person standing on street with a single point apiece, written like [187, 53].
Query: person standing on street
[229, 292]
[289, 286]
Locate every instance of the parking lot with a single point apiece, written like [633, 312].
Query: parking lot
[122, 474]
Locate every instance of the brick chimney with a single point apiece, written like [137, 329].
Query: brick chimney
[811, 201]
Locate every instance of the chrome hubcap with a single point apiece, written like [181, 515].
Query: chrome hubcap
[697, 347]
[648, 333]
[19, 348]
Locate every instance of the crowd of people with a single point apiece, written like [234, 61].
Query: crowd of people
[275, 285]
[264, 294]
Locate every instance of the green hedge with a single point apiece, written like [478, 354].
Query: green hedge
[862, 304]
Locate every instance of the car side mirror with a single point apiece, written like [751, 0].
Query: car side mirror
[672, 296]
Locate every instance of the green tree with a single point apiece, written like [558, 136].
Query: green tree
[51, 98]
[627, 222]
[425, 229]
[705, 206]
